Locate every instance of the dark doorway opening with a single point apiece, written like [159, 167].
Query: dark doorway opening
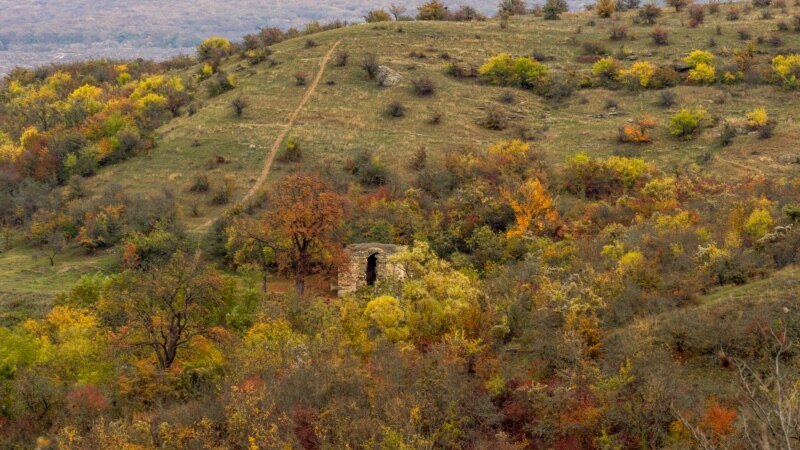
[372, 270]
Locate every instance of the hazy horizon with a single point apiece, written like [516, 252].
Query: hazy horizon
[47, 31]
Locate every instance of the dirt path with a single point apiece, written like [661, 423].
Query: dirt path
[273, 151]
[741, 166]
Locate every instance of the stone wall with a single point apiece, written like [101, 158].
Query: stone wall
[353, 273]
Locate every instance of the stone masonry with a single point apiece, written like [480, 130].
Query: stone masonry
[367, 265]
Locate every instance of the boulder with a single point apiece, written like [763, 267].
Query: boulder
[790, 159]
[388, 77]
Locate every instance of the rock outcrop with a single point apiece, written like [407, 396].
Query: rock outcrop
[387, 77]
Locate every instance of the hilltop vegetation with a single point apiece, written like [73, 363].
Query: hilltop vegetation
[599, 214]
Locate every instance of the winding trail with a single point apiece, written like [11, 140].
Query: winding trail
[276, 145]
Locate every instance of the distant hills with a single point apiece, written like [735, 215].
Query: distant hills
[43, 31]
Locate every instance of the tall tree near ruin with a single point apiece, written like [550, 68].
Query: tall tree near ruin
[303, 219]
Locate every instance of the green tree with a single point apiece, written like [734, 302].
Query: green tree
[167, 306]
[250, 244]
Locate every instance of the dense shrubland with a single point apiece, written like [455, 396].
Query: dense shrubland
[566, 305]
[503, 254]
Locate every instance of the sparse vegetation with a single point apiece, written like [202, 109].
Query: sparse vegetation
[395, 109]
[341, 58]
[292, 151]
[660, 36]
[494, 119]
[239, 104]
[300, 78]
[667, 98]
[370, 65]
[424, 86]
[649, 13]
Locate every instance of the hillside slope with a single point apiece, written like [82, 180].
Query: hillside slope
[346, 115]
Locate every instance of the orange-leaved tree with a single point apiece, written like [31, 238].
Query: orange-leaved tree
[303, 219]
[533, 206]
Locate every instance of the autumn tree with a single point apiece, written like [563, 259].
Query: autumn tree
[377, 15]
[251, 244]
[432, 10]
[166, 307]
[214, 48]
[605, 8]
[511, 7]
[38, 106]
[303, 218]
[47, 233]
[533, 206]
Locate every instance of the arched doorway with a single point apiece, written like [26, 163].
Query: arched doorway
[372, 269]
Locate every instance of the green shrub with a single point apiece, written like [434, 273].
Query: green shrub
[221, 83]
[153, 249]
[606, 69]
[686, 122]
[395, 109]
[792, 212]
[368, 169]
[553, 8]
[293, 152]
[505, 70]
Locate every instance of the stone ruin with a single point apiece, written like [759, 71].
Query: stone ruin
[368, 265]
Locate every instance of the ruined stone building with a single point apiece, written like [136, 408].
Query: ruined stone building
[367, 265]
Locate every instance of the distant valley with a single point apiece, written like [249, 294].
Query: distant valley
[46, 31]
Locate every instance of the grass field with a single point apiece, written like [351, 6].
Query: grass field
[346, 114]
[28, 284]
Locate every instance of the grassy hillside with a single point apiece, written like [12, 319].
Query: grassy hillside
[346, 113]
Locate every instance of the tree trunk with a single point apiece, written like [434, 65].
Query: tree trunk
[300, 285]
[264, 282]
[171, 351]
